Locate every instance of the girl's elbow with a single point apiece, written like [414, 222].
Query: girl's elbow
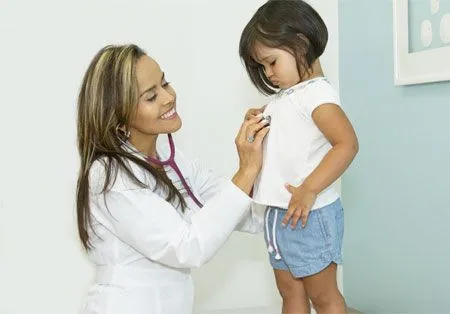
[355, 147]
[351, 147]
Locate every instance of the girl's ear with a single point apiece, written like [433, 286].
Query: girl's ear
[304, 39]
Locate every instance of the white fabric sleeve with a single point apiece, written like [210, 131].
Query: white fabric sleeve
[316, 94]
[207, 183]
[153, 227]
[253, 221]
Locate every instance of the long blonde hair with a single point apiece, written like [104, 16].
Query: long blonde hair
[107, 104]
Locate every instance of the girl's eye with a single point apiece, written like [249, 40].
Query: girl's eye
[152, 98]
[273, 63]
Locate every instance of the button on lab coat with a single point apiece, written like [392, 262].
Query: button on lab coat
[144, 247]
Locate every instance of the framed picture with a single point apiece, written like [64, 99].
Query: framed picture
[421, 41]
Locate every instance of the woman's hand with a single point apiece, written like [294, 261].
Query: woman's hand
[300, 205]
[254, 112]
[249, 141]
[249, 146]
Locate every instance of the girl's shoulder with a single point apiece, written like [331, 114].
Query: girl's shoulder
[313, 93]
[319, 85]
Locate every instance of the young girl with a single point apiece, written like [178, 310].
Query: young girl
[310, 145]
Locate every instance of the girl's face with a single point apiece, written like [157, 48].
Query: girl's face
[280, 66]
[156, 110]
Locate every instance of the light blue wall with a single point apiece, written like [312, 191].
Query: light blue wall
[397, 192]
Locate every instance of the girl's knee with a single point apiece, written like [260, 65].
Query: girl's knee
[290, 289]
[287, 290]
[325, 298]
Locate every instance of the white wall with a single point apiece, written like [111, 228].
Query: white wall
[46, 47]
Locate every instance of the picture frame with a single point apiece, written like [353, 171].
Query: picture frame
[429, 60]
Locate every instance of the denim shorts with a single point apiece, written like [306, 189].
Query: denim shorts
[305, 251]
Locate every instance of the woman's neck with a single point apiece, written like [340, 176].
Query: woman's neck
[144, 143]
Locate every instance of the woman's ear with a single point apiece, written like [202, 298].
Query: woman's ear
[122, 131]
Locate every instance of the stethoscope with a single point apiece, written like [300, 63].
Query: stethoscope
[171, 162]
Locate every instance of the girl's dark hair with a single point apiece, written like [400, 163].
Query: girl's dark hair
[291, 25]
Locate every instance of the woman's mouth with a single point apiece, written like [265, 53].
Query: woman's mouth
[172, 113]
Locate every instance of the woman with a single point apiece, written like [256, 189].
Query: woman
[146, 214]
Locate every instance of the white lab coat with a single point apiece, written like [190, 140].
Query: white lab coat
[144, 247]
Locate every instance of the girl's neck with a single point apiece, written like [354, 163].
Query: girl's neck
[314, 71]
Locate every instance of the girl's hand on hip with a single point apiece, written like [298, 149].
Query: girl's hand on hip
[300, 205]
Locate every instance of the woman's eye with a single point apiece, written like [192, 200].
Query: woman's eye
[164, 84]
[153, 98]
[273, 62]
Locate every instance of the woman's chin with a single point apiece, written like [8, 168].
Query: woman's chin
[179, 125]
[174, 126]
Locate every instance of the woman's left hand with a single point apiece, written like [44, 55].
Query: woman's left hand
[300, 205]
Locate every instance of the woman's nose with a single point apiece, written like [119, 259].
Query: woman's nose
[168, 96]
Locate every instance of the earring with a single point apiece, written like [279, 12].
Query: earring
[122, 132]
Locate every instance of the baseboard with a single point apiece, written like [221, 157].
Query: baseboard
[259, 310]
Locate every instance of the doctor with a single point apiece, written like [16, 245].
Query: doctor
[146, 213]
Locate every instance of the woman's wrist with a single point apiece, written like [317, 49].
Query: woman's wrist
[245, 179]
[251, 172]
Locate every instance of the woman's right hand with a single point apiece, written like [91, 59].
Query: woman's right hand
[254, 112]
[249, 146]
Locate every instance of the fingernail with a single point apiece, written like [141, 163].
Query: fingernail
[283, 224]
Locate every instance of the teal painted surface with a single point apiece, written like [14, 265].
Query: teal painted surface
[419, 11]
[396, 194]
